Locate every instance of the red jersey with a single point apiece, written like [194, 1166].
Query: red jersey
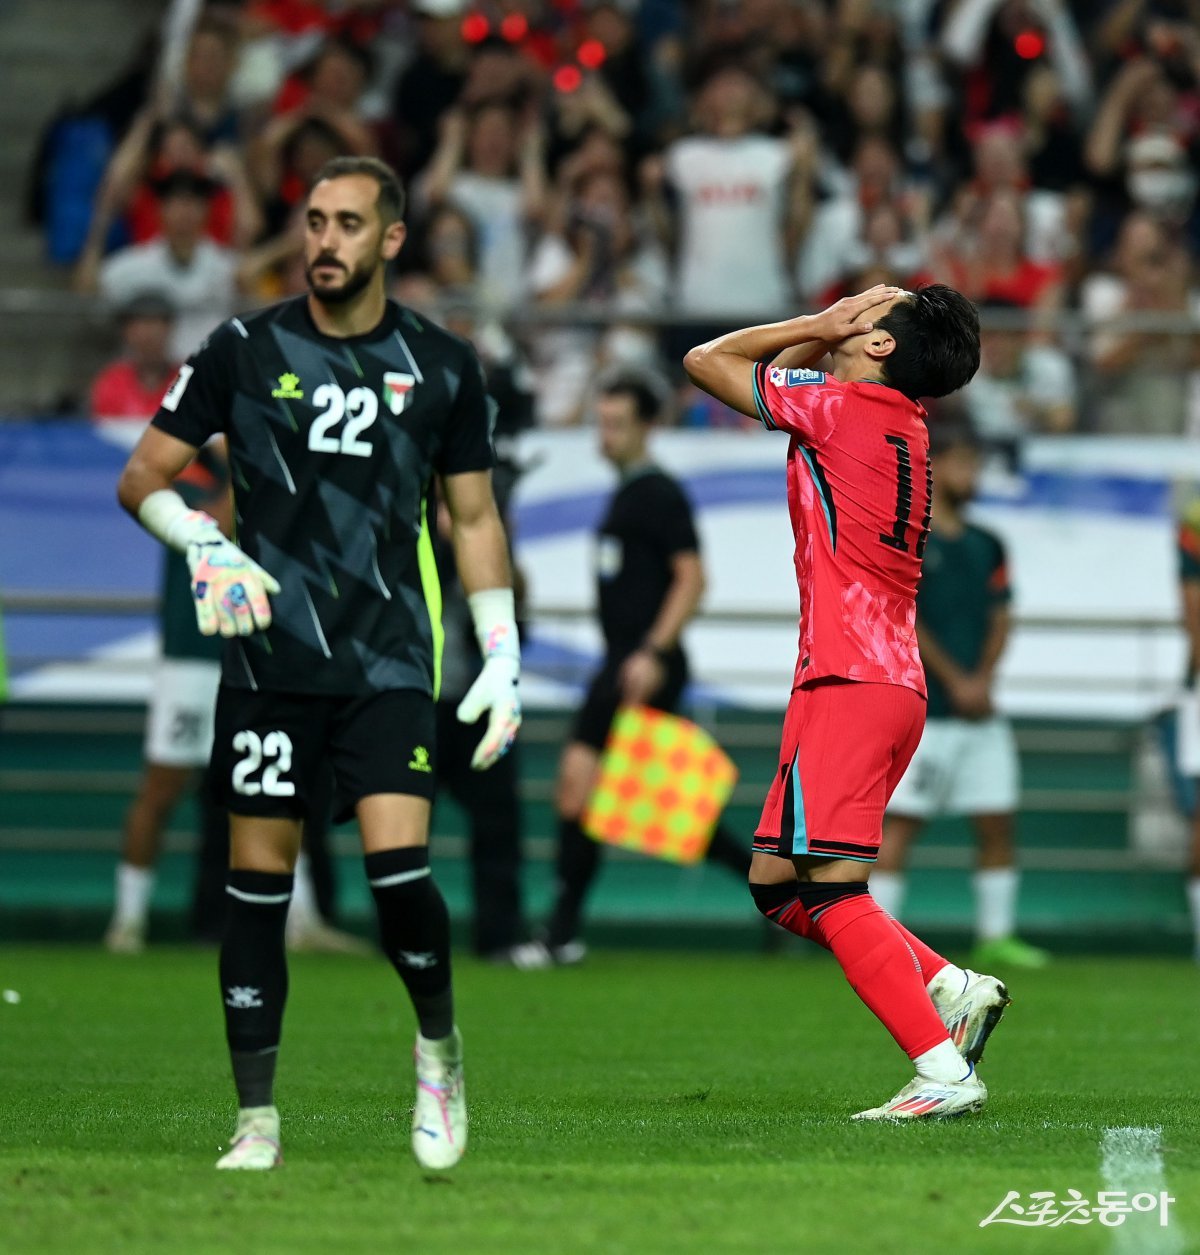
[859, 495]
[118, 392]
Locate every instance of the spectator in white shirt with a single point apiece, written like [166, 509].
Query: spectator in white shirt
[194, 274]
[834, 246]
[1024, 386]
[491, 167]
[737, 210]
[592, 258]
[1147, 379]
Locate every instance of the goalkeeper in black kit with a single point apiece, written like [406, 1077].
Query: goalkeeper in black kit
[339, 409]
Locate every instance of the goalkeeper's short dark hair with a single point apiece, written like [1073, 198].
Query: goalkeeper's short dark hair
[391, 191]
[647, 404]
[936, 330]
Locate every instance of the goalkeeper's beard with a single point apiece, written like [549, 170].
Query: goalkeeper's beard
[356, 281]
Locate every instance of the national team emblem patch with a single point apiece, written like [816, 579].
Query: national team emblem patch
[794, 378]
[397, 390]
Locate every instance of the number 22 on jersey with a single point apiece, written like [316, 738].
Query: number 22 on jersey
[359, 408]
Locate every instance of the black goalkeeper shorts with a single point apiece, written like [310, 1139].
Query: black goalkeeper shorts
[268, 749]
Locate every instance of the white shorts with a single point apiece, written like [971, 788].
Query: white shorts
[179, 717]
[961, 767]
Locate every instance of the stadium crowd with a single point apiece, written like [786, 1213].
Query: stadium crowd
[598, 184]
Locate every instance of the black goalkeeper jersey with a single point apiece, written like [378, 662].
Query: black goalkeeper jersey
[332, 445]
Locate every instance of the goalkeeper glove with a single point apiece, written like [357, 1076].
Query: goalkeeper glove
[495, 689]
[230, 589]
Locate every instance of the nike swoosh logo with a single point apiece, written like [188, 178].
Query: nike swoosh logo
[422, 1129]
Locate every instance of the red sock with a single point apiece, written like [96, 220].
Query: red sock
[779, 903]
[878, 963]
[795, 919]
[929, 961]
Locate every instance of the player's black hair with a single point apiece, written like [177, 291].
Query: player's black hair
[937, 342]
[646, 404]
[391, 190]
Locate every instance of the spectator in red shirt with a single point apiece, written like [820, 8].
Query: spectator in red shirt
[989, 261]
[132, 386]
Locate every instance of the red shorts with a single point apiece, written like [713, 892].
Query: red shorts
[845, 746]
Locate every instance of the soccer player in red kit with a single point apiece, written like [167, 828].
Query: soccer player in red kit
[844, 385]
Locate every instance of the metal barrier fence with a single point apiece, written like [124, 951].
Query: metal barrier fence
[52, 342]
[1142, 639]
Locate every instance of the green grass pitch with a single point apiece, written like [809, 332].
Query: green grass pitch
[639, 1105]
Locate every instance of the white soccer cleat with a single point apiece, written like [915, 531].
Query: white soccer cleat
[255, 1142]
[529, 956]
[570, 953]
[534, 956]
[439, 1123]
[125, 936]
[931, 1100]
[970, 1013]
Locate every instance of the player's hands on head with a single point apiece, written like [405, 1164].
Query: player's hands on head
[230, 589]
[495, 691]
[854, 315]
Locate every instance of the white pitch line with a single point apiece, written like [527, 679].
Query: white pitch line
[1131, 1160]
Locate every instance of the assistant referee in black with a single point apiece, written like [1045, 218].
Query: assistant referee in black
[649, 580]
[339, 409]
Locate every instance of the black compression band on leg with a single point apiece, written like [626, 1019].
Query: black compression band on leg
[771, 899]
[414, 927]
[818, 895]
[254, 979]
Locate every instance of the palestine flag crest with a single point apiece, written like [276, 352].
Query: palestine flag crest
[397, 390]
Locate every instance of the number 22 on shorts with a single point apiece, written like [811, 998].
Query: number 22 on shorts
[275, 750]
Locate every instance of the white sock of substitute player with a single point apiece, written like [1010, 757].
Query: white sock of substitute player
[942, 1063]
[996, 902]
[134, 887]
[303, 910]
[1193, 892]
[887, 888]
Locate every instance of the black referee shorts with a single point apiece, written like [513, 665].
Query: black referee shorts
[604, 696]
[269, 749]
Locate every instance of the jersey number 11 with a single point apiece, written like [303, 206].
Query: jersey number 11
[897, 538]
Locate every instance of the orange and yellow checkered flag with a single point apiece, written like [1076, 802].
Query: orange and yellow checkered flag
[663, 784]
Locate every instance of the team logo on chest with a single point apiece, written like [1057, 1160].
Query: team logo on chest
[289, 388]
[397, 390]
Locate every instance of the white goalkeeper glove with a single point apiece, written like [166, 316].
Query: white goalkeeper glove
[495, 689]
[230, 589]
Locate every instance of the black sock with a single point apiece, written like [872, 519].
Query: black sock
[254, 979]
[414, 926]
[729, 852]
[576, 865]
